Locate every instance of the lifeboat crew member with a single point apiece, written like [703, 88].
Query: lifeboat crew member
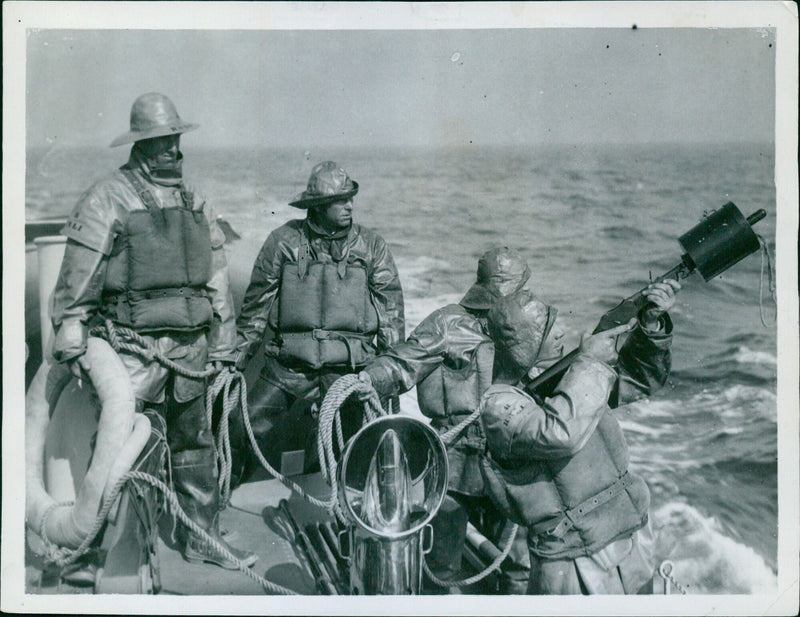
[329, 292]
[559, 465]
[144, 250]
[449, 357]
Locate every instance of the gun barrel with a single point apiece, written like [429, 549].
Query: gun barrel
[756, 216]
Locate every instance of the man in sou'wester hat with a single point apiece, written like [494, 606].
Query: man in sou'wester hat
[558, 465]
[144, 250]
[449, 358]
[328, 292]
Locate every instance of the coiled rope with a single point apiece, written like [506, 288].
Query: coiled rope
[234, 389]
[64, 556]
[330, 419]
[228, 382]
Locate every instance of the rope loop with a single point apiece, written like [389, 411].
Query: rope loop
[495, 565]
[230, 384]
[125, 339]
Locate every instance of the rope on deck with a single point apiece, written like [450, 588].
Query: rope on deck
[64, 556]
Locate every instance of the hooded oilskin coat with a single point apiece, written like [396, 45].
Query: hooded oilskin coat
[329, 301]
[560, 466]
[449, 357]
[161, 272]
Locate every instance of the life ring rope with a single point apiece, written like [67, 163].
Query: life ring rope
[232, 385]
[62, 556]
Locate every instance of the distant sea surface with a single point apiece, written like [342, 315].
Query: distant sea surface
[594, 222]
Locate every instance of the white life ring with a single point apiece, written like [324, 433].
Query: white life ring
[121, 436]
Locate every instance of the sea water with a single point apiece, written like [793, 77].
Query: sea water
[595, 222]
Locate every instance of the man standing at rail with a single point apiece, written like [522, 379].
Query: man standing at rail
[329, 292]
[144, 251]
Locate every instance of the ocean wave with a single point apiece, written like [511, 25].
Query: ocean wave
[705, 559]
[745, 355]
[733, 402]
[622, 232]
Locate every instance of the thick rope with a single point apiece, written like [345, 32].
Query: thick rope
[330, 419]
[329, 422]
[64, 556]
[125, 339]
[326, 504]
[449, 437]
[229, 383]
[480, 575]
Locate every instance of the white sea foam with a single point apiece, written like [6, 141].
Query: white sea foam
[745, 355]
[705, 559]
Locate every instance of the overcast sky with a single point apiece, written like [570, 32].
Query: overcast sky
[408, 87]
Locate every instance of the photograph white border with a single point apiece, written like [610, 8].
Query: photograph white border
[18, 17]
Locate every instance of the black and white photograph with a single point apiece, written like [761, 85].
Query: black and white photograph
[455, 303]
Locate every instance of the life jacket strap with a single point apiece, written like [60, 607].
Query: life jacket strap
[571, 516]
[146, 195]
[347, 338]
[152, 294]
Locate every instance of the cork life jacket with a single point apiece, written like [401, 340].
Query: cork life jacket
[159, 266]
[448, 395]
[324, 315]
[454, 391]
[573, 505]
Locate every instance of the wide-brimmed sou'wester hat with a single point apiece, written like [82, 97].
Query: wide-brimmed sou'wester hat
[327, 183]
[501, 271]
[153, 115]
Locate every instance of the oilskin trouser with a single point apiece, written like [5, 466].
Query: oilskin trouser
[195, 477]
[284, 421]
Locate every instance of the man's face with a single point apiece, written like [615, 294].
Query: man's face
[337, 215]
[162, 151]
[552, 348]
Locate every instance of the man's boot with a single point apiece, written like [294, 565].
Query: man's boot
[194, 474]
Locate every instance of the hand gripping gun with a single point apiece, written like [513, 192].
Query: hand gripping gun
[720, 240]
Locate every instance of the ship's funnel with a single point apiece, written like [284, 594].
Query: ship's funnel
[392, 479]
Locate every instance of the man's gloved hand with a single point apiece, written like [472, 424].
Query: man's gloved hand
[368, 393]
[662, 297]
[220, 365]
[79, 366]
[603, 345]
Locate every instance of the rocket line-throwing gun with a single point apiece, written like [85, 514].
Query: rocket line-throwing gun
[720, 240]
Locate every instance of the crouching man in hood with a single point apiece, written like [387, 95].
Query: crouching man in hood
[559, 465]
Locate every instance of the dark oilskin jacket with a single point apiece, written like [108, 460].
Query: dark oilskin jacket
[449, 357]
[263, 307]
[560, 466]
